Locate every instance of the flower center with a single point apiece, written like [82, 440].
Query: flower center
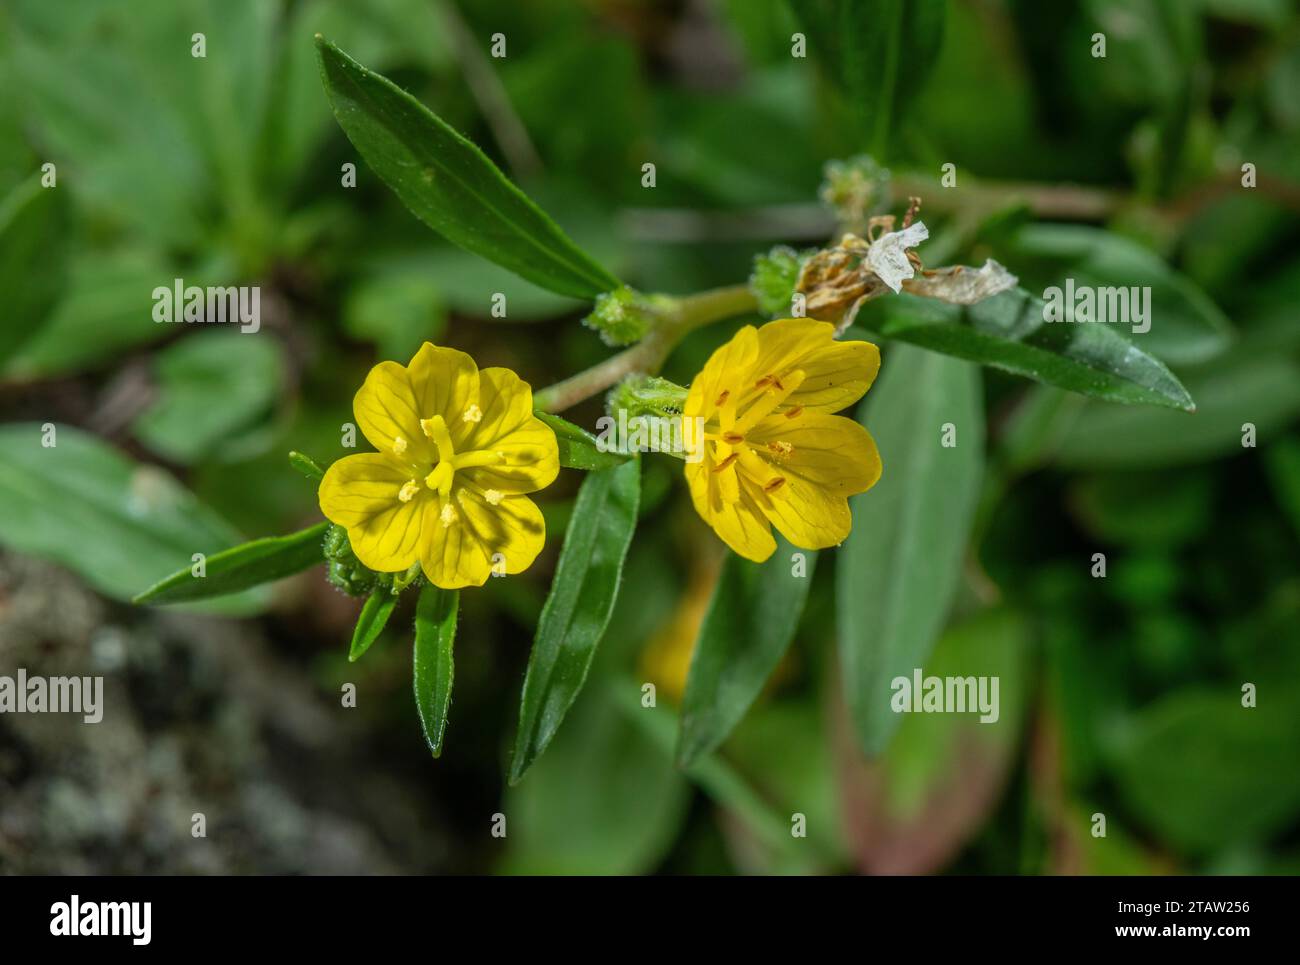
[738, 414]
[443, 473]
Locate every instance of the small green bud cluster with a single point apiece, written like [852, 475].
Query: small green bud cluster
[774, 277]
[853, 189]
[624, 315]
[354, 578]
[646, 395]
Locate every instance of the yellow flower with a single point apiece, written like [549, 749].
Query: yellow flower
[458, 448]
[774, 455]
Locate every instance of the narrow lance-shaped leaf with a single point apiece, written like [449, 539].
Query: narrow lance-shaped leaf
[878, 54]
[371, 620]
[1182, 326]
[306, 465]
[578, 607]
[70, 497]
[579, 449]
[451, 185]
[899, 568]
[748, 628]
[435, 635]
[241, 567]
[32, 233]
[1008, 332]
[1231, 391]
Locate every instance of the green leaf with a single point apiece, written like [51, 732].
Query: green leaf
[397, 310]
[240, 567]
[184, 424]
[579, 449]
[105, 311]
[899, 568]
[85, 99]
[449, 184]
[1206, 772]
[306, 465]
[435, 633]
[563, 822]
[748, 628]
[1185, 325]
[1282, 460]
[371, 620]
[118, 524]
[578, 607]
[715, 776]
[1008, 332]
[32, 232]
[878, 53]
[1230, 392]
[902, 814]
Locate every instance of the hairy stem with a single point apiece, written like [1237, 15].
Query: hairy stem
[685, 315]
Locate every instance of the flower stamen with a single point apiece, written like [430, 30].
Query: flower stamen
[726, 463]
[765, 406]
[408, 490]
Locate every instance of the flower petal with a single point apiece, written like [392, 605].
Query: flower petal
[728, 369]
[808, 515]
[830, 451]
[508, 426]
[386, 410]
[446, 382]
[360, 493]
[739, 523]
[887, 256]
[836, 374]
[462, 551]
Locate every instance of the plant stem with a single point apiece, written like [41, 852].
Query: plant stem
[685, 315]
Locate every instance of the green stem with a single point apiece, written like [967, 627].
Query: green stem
[722, 784]
[684, 315]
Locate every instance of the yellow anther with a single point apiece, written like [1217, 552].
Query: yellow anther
[774, 484]
[436, 429]
[726, 463]
[781, 447]
[732, 438]
[399, 445]
[448, 514]
[473, 413]
[493, 497]
[408, 490]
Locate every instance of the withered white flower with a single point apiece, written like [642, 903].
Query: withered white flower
[961, 285]
[887, 256]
